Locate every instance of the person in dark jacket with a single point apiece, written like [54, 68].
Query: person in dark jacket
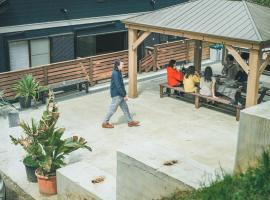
[241, 75]
[119, 97]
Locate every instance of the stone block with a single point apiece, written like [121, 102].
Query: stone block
[75, 182]
[253, 135]
[142, 175]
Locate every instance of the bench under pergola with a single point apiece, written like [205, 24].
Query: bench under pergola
[235, 24]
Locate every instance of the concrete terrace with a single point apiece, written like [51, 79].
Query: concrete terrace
[204, 135]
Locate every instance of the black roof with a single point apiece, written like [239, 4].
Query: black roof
[35, 11]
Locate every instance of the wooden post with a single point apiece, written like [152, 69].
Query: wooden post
[224, 55]
[197, 101]
[155, 56]
[253, 78]
[91, 71]
[45, 73]
[132, 64]
[187, 51]
[161, 90]
[198, 55]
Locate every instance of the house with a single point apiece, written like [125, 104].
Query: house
[38, 32]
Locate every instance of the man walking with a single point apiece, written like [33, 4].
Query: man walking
[119, 97]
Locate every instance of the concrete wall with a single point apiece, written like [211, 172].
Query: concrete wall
[142, 175]
[74, 182]
[253, 135]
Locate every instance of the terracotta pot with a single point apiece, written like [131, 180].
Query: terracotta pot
[47, 185]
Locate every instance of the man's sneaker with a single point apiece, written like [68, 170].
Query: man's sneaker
[133, 123]
[107, 125]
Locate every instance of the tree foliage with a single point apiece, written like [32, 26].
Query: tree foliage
[254, 184]
[262, 2]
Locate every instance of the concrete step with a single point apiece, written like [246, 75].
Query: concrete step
[75, 182]
[141, 173]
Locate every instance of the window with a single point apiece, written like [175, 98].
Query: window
[40, 52]
[18, 55]
[163, 38]
[29, 53]
[62, 48]
[86, 46]
[112, 42]
[89, 45]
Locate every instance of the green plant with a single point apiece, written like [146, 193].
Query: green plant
[30, 162]
[261, 2]
[53, 147]
[254, 184]
[43, 141]
[29, 142]
[27, 87]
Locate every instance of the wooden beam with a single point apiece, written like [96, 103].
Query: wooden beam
[265, 63]
[198, 55]
[196, 36]
[253, 78]
[140, 40]
[238, 58]
[132, 64]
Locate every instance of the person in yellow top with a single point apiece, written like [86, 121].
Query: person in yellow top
[191, 79]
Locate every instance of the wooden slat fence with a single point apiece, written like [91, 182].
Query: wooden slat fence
[160, 55]
[99, 67]
[94, 69]
[102, 64]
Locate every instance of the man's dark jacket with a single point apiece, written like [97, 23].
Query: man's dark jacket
[117, 85]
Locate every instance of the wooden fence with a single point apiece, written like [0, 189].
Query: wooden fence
[94, 68]
[97, 68]
[159, 55]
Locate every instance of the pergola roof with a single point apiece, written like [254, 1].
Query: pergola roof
[238, 20]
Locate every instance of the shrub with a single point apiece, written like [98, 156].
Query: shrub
[254, 184]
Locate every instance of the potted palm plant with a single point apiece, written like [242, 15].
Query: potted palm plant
[53, 148]
[46, 150]
[26, 89]
[30, 144]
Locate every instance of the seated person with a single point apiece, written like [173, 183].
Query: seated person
[230, 69]
[174, 77]
[191, 79]
[207, 83]
[241, 75]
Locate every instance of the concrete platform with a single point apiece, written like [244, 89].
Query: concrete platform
[75, 182]
[204, 135]
[253, 136]
[142, 174]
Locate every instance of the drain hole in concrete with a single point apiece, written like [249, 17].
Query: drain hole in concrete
[98, 179]
[170, 162]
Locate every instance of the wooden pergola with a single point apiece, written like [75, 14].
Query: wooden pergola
[235, 24]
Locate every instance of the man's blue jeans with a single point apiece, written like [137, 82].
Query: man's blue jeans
[118, 101]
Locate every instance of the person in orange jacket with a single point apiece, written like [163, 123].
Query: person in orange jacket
[174, 77]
